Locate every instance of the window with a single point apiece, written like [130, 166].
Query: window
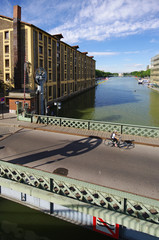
[41, 63]
[49, 64]
[7, 63]
[6, 48]
[49, 52]
[49, 40]
[54, 91]
[6, 35]
[40, 36]
[49, 76]
[50, 91]
[7, 77]
[40, 49]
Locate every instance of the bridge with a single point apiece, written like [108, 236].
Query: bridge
[88, 198]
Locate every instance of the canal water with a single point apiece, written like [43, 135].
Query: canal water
[119, 99]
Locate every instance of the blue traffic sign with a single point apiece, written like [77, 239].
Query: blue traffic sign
[2, 100]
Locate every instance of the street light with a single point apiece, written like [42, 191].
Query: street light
[40, 79]
[58, 105]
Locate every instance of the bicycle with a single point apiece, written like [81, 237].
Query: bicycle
[125, 144]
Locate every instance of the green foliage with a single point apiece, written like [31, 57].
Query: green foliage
[141, 74]
[100, 73]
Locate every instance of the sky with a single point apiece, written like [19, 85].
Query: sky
[122, 35]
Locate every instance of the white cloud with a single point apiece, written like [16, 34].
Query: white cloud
[112, 53]
[104, 53]
[154, 41]
[135, 66]
[102, 19]
[88, 19]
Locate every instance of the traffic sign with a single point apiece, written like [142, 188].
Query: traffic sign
[2, 100]
[101, 226]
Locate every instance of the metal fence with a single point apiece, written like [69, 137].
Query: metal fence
[98, 196]
[137, 130]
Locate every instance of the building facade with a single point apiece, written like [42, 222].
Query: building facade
[24, 48]
[155, 69]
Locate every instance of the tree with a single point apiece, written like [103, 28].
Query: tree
[141, 74]
[100, 73]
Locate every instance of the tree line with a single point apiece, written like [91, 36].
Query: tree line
[100, 73]
[140, 74]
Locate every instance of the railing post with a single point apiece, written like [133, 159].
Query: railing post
[60, 122]
[31, 118]
[51, 185]
[121, 129]
[88, 125]
[51, 190]
[51, 208]
[125, 205]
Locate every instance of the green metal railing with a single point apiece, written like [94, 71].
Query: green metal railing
[137, 130]
[106, 198]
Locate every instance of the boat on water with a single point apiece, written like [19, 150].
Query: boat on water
[140, 81]
[143, 81]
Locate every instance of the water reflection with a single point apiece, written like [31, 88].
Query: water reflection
[81, 106]
[116, 100]
[154, 107]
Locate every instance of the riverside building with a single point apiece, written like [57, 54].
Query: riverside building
[24, 48]
[155, 69]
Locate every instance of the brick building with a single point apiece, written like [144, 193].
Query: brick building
[69, 71]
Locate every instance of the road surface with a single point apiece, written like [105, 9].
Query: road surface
[87, 159]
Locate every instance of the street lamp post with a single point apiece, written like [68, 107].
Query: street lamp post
[58, 105]
[40, 79]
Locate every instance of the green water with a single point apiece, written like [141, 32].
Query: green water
[23, 223]
[120, 100]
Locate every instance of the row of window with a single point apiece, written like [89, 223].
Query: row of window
[6, 50]
[41, 51]
[41, 38]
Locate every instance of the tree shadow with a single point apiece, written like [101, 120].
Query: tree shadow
[72, 149]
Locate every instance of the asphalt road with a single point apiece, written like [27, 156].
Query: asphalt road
[88, 159]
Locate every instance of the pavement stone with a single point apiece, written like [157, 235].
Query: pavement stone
[9, 124]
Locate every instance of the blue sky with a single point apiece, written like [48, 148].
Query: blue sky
[122, 35]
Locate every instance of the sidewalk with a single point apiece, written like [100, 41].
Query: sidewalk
[10, 120]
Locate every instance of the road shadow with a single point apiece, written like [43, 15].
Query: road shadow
[72, 149]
